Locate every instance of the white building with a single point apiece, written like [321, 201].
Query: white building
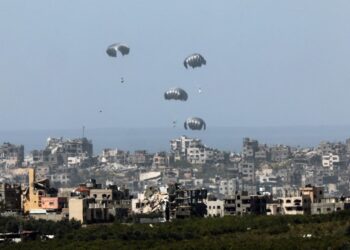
[329, 159]
[151, 175]
[180, 146]
[74, 161]
[295, 205]
[215, 208]
[265, 179]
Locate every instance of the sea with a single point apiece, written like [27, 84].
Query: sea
[158, 139]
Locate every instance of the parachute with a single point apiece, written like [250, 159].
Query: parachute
[114, 48]
[195, 60]
[176, 94]
[195, 123]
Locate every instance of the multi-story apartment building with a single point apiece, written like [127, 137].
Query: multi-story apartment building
[179, 146]
[12, 155]
[160, 159]
[247, 171]
[10, 197]
[228, 187]
[60, 151]
[140, 158]
[215, 208]
[250, 147]
[280, 153]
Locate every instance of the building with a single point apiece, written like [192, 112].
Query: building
[316, 194]
[10, 197]
[179, 146]
[154, 176]
[152, 201]
[280, 153]
[104, 204]
[196, 154]
[258, 204]
[228, 187]
[78, 209]
[35, 192]
[329, 160]
[249, 149]
[140, 158]
[113, 156]
[242, 203]
[247, 171]
[330, 205]
[263, 153]
[215, 208]
[160, 160]
[54, 203]
[295, 205]
[59, 151]
[185, 203]
[12, 155]
[273, 209]
[71, 148]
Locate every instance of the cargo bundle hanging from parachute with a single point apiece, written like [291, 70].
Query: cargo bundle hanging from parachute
[195, 60]
[116, 48]
[176, 94]
[195, 123]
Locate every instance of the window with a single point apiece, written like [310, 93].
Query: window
[218, 207]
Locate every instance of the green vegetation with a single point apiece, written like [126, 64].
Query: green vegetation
[250, 232]
[14, 224]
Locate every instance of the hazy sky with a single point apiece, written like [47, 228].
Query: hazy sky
[269, 62]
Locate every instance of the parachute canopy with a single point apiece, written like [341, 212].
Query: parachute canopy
[114, 48]
[176, 94]
[194, 60]
[195, 123]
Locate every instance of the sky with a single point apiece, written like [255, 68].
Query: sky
[269, 63]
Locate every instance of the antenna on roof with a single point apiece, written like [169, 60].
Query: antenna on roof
[83, 131]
